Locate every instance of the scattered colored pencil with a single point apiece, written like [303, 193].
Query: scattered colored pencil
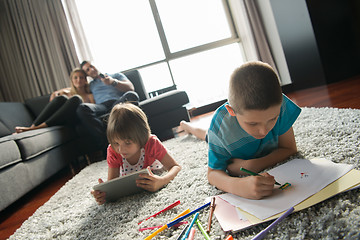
[164, 210]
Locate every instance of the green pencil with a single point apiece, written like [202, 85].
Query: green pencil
[206, 236]
[254, 174]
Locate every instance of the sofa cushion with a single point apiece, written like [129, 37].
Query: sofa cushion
[37, 104]
[164, 102]
[35, 142]
[4, 131]
[10, 153]
[13, 114]
[14, 183]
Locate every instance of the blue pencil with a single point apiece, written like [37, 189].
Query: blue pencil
[182, 232]
[190, 226]
[187, 215]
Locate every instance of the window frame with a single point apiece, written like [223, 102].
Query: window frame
[169, 56]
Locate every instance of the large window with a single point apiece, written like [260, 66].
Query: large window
[190, 44]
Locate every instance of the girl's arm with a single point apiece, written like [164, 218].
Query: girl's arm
[286, 148]
[113, 173]
[63, 91]
[171, 166]
[153, 182]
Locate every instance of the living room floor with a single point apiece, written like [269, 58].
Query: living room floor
[342, 94]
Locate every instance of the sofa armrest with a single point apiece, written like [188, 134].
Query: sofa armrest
[164, 102]
[136, 79]
[13, 114]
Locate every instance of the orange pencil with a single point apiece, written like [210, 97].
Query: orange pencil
[229, 238]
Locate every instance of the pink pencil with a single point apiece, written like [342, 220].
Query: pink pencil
[192, 234]
[164, 210]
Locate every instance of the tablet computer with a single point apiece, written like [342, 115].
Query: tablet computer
[121, 186]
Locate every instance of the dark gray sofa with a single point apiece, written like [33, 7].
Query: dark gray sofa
[29, 158]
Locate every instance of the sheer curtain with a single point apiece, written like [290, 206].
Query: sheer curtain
[82, 46]
[37, 53]
[247, 18]
[252, 32]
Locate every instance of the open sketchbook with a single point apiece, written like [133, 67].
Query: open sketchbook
[231, 207]
[307, 177]
[121, 186]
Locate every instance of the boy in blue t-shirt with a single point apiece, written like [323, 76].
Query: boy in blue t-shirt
[252, 130]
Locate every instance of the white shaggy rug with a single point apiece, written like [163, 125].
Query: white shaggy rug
[72, 213]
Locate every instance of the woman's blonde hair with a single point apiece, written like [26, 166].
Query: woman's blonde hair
[73, 89]
[128, 122]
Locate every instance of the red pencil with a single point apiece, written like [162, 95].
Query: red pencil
[164, 210]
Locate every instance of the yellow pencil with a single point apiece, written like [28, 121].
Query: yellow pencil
[165, 226]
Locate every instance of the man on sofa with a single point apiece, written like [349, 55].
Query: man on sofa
[108, 90]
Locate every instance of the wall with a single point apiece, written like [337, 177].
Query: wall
[295, 33]
[336, 25]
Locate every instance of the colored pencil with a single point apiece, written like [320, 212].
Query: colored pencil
[263, 233]
[254, 174]
[164, 210]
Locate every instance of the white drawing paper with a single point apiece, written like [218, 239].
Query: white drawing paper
[307, 177]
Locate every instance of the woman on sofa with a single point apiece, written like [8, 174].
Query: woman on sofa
[63, 103]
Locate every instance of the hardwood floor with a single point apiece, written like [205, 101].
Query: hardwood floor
[344, 94]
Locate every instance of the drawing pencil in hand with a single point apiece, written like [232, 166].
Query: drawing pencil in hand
[254, 174]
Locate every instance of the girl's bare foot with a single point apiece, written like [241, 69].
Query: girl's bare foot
[22, 129]
[32, 127]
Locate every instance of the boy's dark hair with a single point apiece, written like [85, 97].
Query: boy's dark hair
[83, 63]
[254, 86]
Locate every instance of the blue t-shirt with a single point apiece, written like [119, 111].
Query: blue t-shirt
[228, 140]
[103, 92]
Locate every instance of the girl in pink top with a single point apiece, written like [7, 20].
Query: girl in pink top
[132, 148]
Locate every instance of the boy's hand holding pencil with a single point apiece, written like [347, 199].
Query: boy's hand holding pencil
[257, 187]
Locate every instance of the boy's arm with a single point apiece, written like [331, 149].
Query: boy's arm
[286, 148]
[252, 187]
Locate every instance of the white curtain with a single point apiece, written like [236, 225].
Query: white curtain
[84, 52]
[250, 26]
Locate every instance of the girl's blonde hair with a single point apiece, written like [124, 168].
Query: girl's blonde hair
[128, 122]
[73, 89]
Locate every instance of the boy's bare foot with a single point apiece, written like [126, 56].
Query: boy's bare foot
[185, 126]
[190, 129]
